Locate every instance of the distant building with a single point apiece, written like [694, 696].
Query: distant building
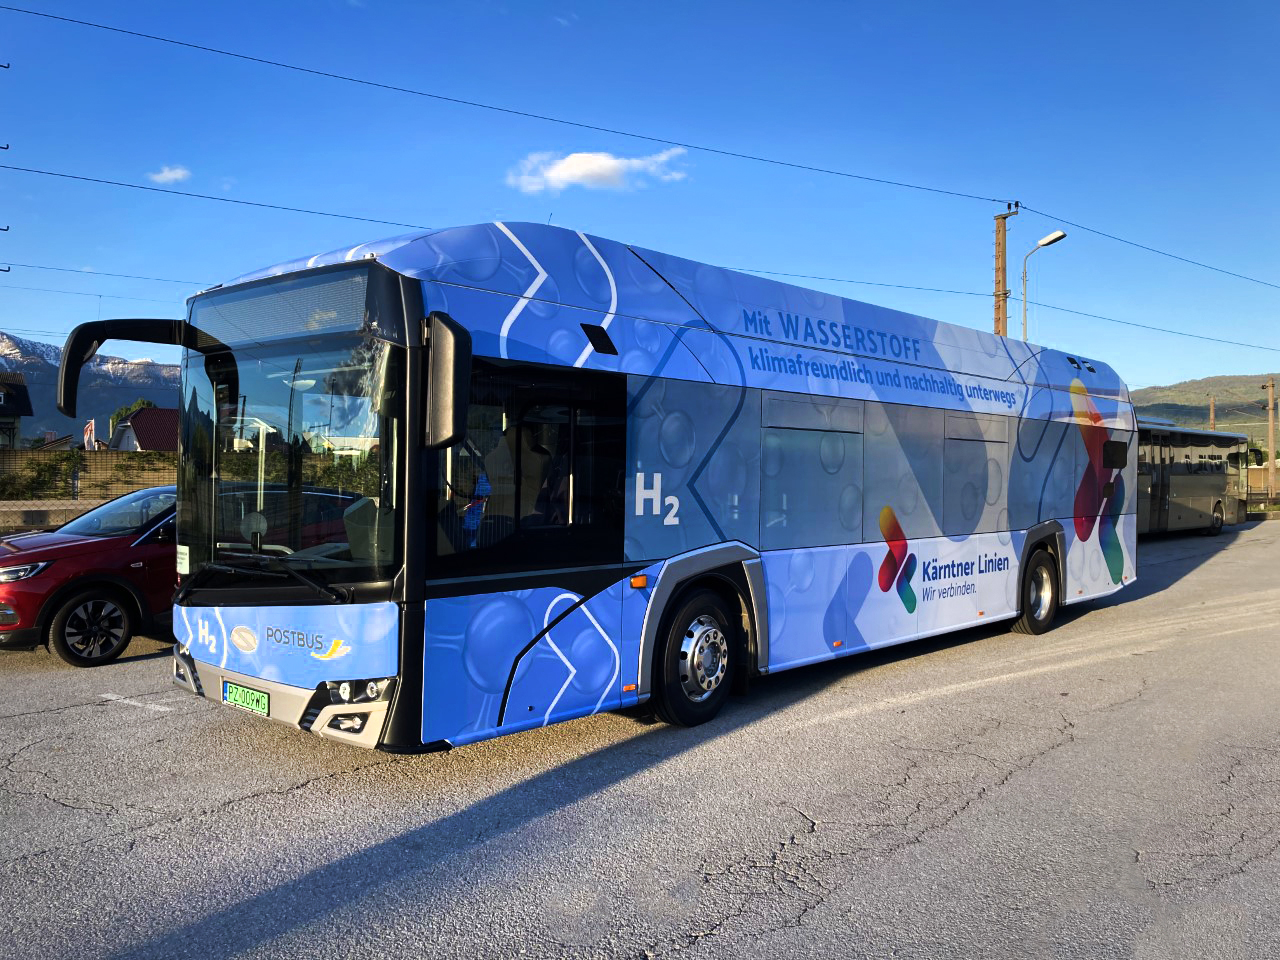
[15, 403]
[55, 444]
[150, 428]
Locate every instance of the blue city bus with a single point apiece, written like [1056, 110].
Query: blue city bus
[466, 482]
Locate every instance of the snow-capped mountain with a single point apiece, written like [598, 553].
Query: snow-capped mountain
[106, 384]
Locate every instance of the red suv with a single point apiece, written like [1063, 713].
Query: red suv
[87, 587]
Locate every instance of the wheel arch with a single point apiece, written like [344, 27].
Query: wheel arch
[1046, 536]
[732, 570]
[126, 590]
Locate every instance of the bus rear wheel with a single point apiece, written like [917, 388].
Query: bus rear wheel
[1039, 595]
[694, 669]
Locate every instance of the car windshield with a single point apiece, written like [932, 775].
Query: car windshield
[133, 513]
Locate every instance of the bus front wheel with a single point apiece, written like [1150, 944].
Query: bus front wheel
[694, 669]
[1039, 595]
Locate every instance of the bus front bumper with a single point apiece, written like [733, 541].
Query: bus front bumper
[359, 724]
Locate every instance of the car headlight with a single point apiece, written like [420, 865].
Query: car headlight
[10, 574]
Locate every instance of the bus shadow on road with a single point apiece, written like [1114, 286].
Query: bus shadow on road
[1165, 558]
[412, 861]
[390, 871]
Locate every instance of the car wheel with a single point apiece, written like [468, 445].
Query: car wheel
[90, 628]
[1039, 595]
[695, 666]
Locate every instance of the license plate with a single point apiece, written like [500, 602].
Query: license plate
[254, 701]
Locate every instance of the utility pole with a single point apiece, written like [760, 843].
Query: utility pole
[1002, 287]
[1213, 421]
[1271, 437]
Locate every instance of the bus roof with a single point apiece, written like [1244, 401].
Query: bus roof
[1168, 426]
[570, 277]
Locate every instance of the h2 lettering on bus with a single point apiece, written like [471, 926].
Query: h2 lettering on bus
[651, 494]
[206, 638]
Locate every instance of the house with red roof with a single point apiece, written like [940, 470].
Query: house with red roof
[150, 428]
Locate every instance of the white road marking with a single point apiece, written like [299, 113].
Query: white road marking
[117, 698]
[911, 699]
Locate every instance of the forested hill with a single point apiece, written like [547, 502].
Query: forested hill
[1240, 401]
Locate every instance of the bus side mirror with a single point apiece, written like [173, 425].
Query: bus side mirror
[1256, 455]
[448, 381]
[83, 343]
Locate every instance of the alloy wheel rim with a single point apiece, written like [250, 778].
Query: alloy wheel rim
[95, 628]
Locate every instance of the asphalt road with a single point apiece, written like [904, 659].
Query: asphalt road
[1111, 789]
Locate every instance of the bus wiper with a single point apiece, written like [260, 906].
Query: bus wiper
[186, 585]
[189, 583]
[259, 568]
[331, 594]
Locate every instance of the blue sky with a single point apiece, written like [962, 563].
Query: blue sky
[1155, 122]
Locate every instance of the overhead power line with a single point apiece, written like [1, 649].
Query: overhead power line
[82, 293]
[1143, 246]
[1147, 326]
[206, 196]
[703, 148]
[771, 273]
[1034, 303]
[869, 283]
[99, 273]
[510, 111]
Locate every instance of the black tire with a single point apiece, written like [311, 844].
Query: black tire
[1038, 600]
[1215, 525]
[91, 627]
[694, 669]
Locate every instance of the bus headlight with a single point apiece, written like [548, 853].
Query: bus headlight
[360, 691]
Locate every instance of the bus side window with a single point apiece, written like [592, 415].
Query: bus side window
[536, 481]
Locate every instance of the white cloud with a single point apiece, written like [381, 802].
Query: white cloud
[595, 171]
[170, 174]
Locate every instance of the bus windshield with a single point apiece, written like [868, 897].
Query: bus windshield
[289, 453]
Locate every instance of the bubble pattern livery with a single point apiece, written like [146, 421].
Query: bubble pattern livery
[885, 468]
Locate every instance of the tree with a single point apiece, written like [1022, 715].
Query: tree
[124, 412]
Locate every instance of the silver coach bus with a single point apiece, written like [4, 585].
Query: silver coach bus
[1191, 479]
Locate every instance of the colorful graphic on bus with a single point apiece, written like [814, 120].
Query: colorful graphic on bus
[472, 480]
[898, 565]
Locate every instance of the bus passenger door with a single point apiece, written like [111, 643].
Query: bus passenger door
[1160, 466]
[1145, 489]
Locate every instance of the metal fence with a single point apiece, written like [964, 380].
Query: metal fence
[40, 489]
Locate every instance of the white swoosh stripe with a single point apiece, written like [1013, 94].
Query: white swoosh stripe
[617, 660]
[528, 294]
[573, 671]
[613, 302]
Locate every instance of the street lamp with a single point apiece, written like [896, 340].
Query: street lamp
[1043, 242]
